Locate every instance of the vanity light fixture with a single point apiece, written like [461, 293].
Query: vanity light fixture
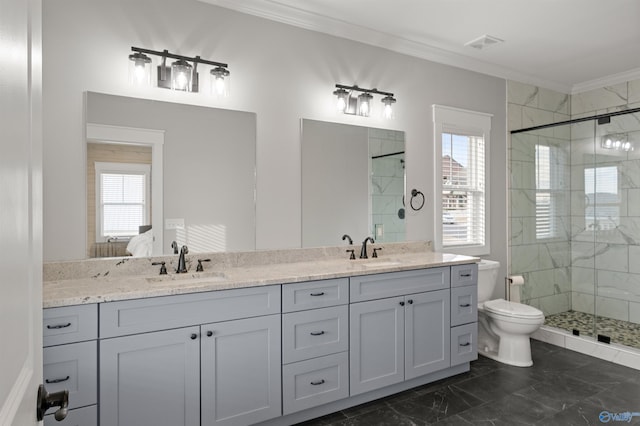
[349, 103]
[180, 75]
[617, 142]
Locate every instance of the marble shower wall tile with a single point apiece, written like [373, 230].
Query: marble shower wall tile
[612, 257]
[634, 91]
[618, 285]
[522, 94]
[612, 308]
[634, 259]
[583, 302]
[550, 100]
[583, 280]
[555, 304]
[634, 312]
[594, 100]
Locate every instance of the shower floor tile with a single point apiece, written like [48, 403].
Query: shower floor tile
[621, 332]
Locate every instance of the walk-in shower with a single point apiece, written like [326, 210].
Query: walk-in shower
[575, 223]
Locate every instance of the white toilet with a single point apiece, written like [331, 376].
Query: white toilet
[504, 327]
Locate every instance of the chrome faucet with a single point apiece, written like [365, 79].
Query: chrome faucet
[363, 250]
[182, 264]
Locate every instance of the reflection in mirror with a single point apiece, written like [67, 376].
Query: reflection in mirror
[353, 182]
[207, 185]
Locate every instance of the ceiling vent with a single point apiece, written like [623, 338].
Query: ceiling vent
[484, 42]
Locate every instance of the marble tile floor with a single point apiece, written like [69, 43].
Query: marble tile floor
[562, 388]
[621, 332]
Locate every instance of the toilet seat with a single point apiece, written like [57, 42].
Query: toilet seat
[509, 309]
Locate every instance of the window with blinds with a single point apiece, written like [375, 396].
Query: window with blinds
[123, 199]
[549, 167]
[463, 190]
[602, 198]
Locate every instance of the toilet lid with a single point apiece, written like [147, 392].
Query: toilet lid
[512, 309]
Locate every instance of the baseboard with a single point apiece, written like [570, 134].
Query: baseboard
[618, 354]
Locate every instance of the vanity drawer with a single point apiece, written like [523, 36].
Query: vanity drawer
[462, 275]
[69, 324]
[85, 416]
[378, 286]
[314, 333]
[464, 305]
[162, 313]
[314, 382]
[315, 294]
[464, 343]
[73, 367]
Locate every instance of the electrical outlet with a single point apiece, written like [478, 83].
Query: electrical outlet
[174, 223]
[379, 229]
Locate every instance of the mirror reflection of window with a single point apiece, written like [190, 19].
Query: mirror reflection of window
[123, 191]
[118, 202]
[602, 198]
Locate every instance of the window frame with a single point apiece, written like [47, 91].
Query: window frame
[469, 123]
[554, 193]
[120, 168]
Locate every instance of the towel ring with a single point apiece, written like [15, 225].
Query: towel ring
[414, 194]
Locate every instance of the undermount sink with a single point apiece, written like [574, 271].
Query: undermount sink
[190, 276]
[380, 263]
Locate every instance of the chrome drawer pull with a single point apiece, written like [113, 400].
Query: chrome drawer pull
[317, 382]
[53, 327]
[317, 333]
[317, 294]
[465, 344]
[57, 380]
[466, 305]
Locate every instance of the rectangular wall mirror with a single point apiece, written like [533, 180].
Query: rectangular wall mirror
[202, 177]
[353, 182]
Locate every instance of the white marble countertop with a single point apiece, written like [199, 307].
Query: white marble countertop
[76, 291]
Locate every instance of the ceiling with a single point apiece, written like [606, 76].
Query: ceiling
[565, 45]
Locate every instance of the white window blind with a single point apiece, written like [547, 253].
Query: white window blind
[602, 198]
[463, 190]
[122, 199]
[461, 176]
[550, 164]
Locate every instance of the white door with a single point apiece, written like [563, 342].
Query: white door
[20, 210]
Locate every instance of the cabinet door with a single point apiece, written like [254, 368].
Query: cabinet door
[151, 379]
[376, 344]
[427, 333]
[241, 371]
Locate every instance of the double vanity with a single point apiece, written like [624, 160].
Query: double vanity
[274, 337]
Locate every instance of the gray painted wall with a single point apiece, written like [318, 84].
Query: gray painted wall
[281, 73]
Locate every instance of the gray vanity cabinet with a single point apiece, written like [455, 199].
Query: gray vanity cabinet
[223, 372]
[398, 339]
[70, 360]
[240, 371]
[151, 379]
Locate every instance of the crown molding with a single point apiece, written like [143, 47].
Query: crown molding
[609, 80]
[275, 11]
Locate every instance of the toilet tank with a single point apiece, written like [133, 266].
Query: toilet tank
[487, 278]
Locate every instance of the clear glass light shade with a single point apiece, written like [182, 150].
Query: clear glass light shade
[364, 104]
[181, 75]
[618, 142]
[139, 69]
[220, 82]
[341, 103]
[387, 111]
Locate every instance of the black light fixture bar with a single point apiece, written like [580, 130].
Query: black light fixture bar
[360, 89]
[167, 54]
